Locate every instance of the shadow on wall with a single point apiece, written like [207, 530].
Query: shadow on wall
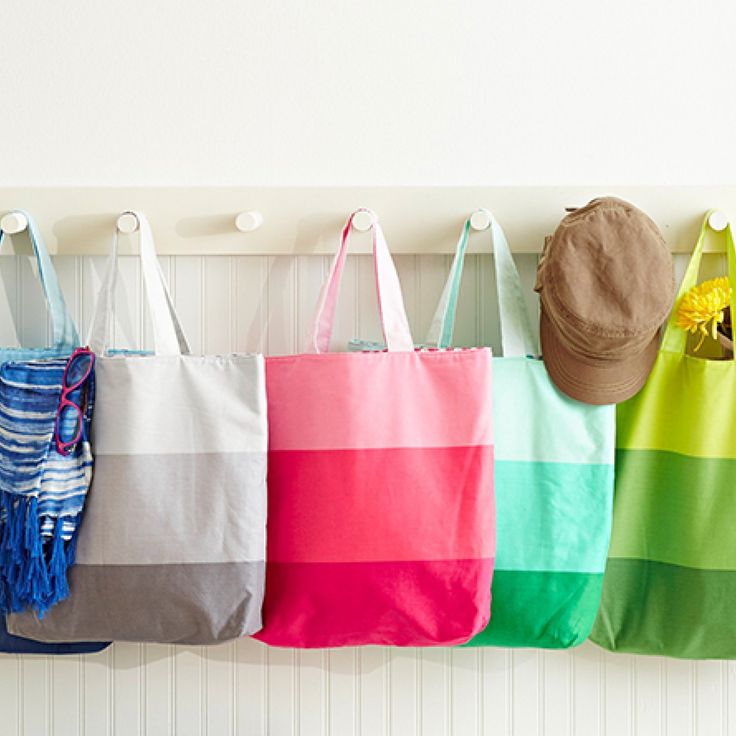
[251, 652]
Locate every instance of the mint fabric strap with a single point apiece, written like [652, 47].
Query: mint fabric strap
[443, 323]
[63, 330]
[517, 335]
[168, 336]
[675, 338]
[392, 313]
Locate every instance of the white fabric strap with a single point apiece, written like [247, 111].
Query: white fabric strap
[168, 336]
[394, 323]
[517, 335]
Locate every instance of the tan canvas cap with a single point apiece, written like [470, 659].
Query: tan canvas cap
[606, 282]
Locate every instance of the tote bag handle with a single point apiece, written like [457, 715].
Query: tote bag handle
[168, 336]
[517, 336]
[675, 339]
[394, 323]
[64, 333]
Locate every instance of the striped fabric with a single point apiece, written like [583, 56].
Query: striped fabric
[380, 522]
[173, 541]
[670, 584]
[42, 492]
[554, 483]
[673, 552]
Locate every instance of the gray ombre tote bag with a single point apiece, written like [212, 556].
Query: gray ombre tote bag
[172, 545]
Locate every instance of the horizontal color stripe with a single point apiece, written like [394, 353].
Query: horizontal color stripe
[551, 610]
[160, 509]
[552, 516]
[388, 603]
[535, 421]
[355, 400]
[179, 604]
[656, 608]
[676, 509]
[686, 406]
[372, 505]
[180, 404]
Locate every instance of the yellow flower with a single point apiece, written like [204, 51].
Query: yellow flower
[701, 309]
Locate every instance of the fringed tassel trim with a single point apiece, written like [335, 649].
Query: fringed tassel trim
[33, 568]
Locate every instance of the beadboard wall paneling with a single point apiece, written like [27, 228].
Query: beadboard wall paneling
[265, 304]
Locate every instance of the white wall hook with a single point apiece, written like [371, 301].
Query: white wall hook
[717, 221]
[480, 220]
[247, 222]
[362, 221]
[13, 222]
[127, 223]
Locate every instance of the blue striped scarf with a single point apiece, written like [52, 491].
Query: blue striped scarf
[42, 493]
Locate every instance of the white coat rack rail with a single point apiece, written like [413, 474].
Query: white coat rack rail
[306, 220]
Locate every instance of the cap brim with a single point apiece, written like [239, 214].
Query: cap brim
[590, 381]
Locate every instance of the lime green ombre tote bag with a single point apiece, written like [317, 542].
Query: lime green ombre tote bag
[670, 583]
[553, 476]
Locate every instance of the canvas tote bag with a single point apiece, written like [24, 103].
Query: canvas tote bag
[380, 521]
[670, 585]
[553, 477]
[172, 545]
[64, 340]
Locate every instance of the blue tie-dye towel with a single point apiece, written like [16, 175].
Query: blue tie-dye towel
[42, 492]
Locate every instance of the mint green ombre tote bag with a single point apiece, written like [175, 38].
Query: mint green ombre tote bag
[553, 476]
[553, 473]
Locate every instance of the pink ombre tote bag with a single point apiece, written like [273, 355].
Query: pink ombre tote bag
[380, 483]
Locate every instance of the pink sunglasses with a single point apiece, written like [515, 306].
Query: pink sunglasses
[81, 358]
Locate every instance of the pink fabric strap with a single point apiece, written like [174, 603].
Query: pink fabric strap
[394, 323]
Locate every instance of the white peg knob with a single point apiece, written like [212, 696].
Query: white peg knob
[717, 221]
[480, 220]
[127, 223]
[13, 222]
[247, 222]
[362, 221]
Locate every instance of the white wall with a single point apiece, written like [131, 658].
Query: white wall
[367, 92]
[376, 92]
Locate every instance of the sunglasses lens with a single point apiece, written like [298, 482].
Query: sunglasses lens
[79, 367]
[69, 425]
